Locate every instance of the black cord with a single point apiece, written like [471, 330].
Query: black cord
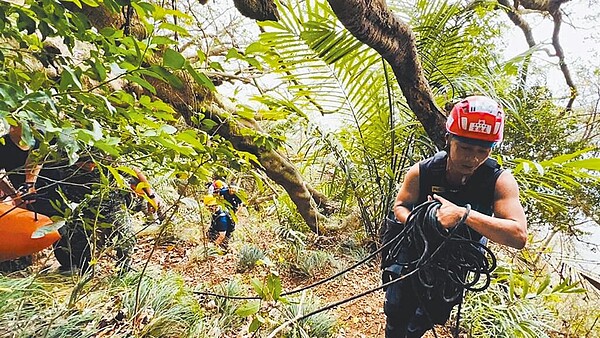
[449, 261]
[364, 260]
[437, 255]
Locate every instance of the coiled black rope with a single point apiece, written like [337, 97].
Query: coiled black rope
[448, 261]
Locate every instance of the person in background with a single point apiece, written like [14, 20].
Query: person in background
[463, 174]
[221, 225]
[97, 214]
[17, 183]
[20, 174]
[140, 185]
[228, 193]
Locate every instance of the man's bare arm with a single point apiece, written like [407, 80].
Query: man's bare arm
[408, 194]
[508, 226]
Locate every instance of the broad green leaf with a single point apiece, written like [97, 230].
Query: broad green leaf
[216, 66]
[69, 79]
[168, 129]
[247, 309]
[162, 40]
[200, 78]
[167, 76]
[108, 147]
[193, 138]
[256, 324]
[115, 174]
[258, 287]
[175, 28]
[589, 163]
[142, 82]
[233, 53]
[256, 47]
[173, 59]
[99, 70]
[274, 286]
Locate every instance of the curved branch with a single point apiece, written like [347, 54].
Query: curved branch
[551, 7]
[241, 133]
[557, 17]
[374, 24]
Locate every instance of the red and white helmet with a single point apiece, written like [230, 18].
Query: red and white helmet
[477, 117]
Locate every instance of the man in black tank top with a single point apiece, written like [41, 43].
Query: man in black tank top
[464, 174]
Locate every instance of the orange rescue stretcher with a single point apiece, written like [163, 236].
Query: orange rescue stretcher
[23, 232]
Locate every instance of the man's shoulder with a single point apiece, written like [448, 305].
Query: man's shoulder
[6, 142]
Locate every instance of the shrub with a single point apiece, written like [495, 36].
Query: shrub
[248, 257]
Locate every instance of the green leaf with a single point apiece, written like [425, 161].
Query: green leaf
[193, 138]
[142, 82]
[589, 163]
[175, 28]
[247, 309]
[169, 77]
[168, 129]
[91, 3]
[544, 285]
[233, 53]
[99, 70]
[200, 78]
[256, 47]
[46, 229]
[69, 79]
[257, 286]
[274, 286]
[108, 147]
[256, 324]
[118, 178]
[216, 66]
[162, 40]
[173, 59]
[110, 32]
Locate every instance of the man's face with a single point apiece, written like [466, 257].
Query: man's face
[465, 158]
[16, 131]
[212, 208]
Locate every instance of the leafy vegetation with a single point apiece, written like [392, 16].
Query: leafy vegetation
[104, 78]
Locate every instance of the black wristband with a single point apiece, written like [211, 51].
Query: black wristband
[464, 217]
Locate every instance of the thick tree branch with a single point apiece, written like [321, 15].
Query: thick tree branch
[260, 10]
[375, 25]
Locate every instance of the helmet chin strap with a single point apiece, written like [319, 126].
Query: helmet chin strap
[464, 178]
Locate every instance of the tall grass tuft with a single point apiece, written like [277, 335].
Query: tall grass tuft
[43, 306]
[321, 325]
[492, 314]
[313, 263]
[248, 256]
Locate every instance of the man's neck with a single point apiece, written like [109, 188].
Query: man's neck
[16, 139]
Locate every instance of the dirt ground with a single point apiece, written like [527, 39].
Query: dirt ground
[360, 318]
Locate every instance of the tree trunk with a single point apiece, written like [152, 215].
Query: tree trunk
[374, 24]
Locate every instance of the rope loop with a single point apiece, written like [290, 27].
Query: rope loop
[448, 260]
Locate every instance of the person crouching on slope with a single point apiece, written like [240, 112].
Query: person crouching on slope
[221, 225]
